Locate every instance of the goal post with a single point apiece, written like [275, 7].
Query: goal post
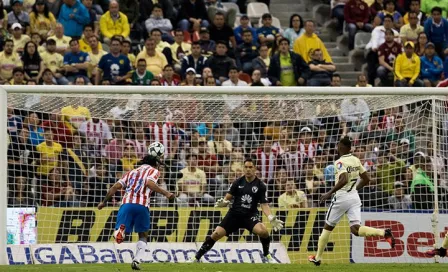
[291, 133]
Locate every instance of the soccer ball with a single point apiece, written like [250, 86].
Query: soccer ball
[156, 149]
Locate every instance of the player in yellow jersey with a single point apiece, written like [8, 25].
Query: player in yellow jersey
[439, 251]
[348, 169]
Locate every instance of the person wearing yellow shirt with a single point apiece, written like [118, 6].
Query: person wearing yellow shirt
[292, 198]
[19, 38]
[114, 23]
[125, 49]
[155, 61]
[410, 31]
[84, 42]
[49, 152]
[62, 41]
[128, 161]
[95, 55]
[74, 116]
[42, 21]
[308, 42]
[415, 7]
[55, 62]
[8, 61]
[407, 68]
[18, 77]
[179, 49]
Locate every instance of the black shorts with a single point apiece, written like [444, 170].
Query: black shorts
[233, 222]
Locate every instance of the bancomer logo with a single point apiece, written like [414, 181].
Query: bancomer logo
[159, 253]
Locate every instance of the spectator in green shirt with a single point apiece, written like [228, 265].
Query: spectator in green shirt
[141, 76]
[388, 171]
[427, 6]
[422, 186]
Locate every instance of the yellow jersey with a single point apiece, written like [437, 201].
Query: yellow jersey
[351, 165]
[73, 117]
[62, 43]
[19, 44]
[50, 154]
[8, 63]
[52, 61]
[192, 181]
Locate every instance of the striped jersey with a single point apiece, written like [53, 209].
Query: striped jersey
[134, 184]
[351, 165]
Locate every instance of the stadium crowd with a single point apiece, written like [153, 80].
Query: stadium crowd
[67, 157]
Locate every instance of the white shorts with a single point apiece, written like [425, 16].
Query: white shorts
[349, 204]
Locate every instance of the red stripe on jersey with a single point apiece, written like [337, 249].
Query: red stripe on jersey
[136, 190]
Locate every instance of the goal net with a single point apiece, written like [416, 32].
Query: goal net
[65, 150]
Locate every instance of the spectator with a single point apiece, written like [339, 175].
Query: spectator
[95, 55]
[169, 12]
[97, 134]
[429, 5]
[73, 16]
[18, 15]
[193, 15]
[267, 32]
[362, 81]
[422, 40]
[387, 53]
[292, 159]
[18, 77]
[219, 31]
[49, 153]
[19, 38]
[168, 76]
[208, 46]
[220, 63]
[407, 68]
[141, 76]
[244, 25]
[314, 186]
[287, 68]
[180, 49]
[54, 62]
[161, 46]
[9, 60]
[336, 80]
[233, 78]
[257, 80]
[375, 7]
[422, 186]
[61, 133]
[355, 113]
[436, 29]
[114, 22]
[431, 66]
[128, 160]
[114, 67]
[42, 20]
[190, 78]
[62, 41]
[114, 150]
[295, 29]
[410, 31]
[209, 81]
[415, 7]
[15, 123]
[33, 65]
[57, 192]
[76, 62]
[388, 168]
[194, 60]
[155, 61]
[84, 41]
[389, 9]
[400, 132]
[76, 161]
[320, 71]
[292, 198]
[356, 14]
[74, 115]
[3, 20]
[219, 146]
[130, 8]
[263, 61]
[126, 50]
[156, 20]
[191, 187]
[93, 16]
[308, 42]
[95, 189]
[337, 11]
[247, 52]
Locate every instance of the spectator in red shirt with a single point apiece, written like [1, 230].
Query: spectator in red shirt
[387, 53]
[61, 132]
[356, 14]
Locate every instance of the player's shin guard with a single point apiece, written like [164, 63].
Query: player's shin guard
[368, 232]
[206, 246]
[323, 241]
[141, 249]
[265, 242]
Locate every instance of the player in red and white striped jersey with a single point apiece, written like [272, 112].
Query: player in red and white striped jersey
[133, 215]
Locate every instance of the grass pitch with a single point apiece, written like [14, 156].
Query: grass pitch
[229, 268]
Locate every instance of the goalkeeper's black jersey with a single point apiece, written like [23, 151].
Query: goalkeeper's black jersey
[247, 195]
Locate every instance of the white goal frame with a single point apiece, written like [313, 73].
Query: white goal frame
[431, 93]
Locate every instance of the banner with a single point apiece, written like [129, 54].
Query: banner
[125, 252]
[185, 225]
[413, 234]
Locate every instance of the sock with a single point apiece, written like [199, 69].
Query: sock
[141, 249]
[265, 242]
[323, 241]
[445, 241]
[368, 232]
[206, 246]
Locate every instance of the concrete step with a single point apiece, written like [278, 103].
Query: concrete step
[291, 8]
[338, 60]
[326, 37]
[349, 75]
[330, 45]
[345, 67]
[335, 52]
[349, 82]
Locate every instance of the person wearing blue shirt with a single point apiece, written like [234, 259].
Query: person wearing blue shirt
[431, 66]
[73, 16]
[244, 25]
[267, 33]
[114, 68]
[36, 131]
[436, 29]
[76, 62]
[14, 123]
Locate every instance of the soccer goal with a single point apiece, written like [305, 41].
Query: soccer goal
[65, 146]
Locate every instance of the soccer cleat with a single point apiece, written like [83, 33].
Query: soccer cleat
[437, 251]
[389, 237]
[119, 234]
[135, 265]
[312, 259]
[193, 260]
[268, 258]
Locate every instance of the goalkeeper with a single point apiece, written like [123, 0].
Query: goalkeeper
[439, 251]
[246, 192]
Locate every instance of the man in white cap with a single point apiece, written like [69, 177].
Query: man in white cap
[19, 38]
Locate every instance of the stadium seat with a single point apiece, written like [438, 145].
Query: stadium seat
[245, 77]
[362, 39]
[230, 5]
[255, 10]
[275, 22]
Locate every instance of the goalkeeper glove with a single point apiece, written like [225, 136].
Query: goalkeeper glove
[276, 223]
[222, 202]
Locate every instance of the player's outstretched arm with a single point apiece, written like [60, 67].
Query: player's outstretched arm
[365, 179]
[277, 224]
[223, 202]
[343, 180]
[155, 188]
[117, 186]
